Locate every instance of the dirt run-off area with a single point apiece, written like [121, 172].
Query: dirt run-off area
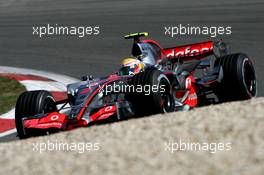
[229, 139]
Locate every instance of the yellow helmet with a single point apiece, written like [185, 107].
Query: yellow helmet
[131, 66]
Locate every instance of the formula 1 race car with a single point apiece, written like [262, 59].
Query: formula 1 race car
[153, 80]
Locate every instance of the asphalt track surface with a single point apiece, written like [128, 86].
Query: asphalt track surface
[101, 54]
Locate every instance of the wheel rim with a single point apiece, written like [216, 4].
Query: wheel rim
[166, 102]
[249, 78]
[165, 97]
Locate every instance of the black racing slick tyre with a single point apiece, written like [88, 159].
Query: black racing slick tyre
[239, 79]
[156, 94]
[29, 104]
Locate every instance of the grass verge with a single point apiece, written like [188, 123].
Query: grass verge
[9, 92]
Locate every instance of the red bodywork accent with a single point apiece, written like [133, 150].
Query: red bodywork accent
[103, 113]
[85, 91]
[52, 120]
[192, 99]
[188, 96]
[72, 124]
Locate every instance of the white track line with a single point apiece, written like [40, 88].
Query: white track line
[8, 115]
[32, 85]
[12, 131]
[57, 77]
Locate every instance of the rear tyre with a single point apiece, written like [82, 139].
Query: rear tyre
[29, 104]
[156, 95]
[239, 79]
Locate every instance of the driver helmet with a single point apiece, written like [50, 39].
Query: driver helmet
[131, 66]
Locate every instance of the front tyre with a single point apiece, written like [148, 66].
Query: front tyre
[29, 104]
[147, 103]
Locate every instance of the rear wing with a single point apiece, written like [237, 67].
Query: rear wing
[192, 51]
